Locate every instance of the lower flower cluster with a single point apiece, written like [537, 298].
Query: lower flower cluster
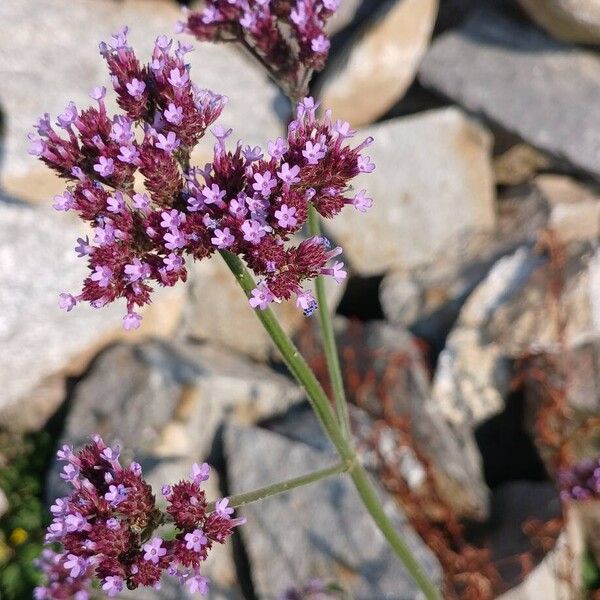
[107, 528]
[582, 481]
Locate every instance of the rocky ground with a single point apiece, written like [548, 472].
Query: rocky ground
[469, 328]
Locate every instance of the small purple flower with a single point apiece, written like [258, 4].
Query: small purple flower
[98, 93]
[289, 175]
[222, 238]
[153, 550]
[285, 216]
[320, 44]
[128, 154]
[253, 231]
[112, 524]
[76, 565]
[112, 585]
[175, 239]
[105, 167]
[131, 321]
[135, 88]
[314, 153]
[200, 473]
[173, 262]
[137, 270]
[166, 490]
[278, 148]
[264, 183]
[64, 202]
[116, 494]
[168, 143]
[102, 276]
[362, 202]
[174, 114]
[261, 297]
[83, 247]
[223, 509]
[177, 78]
[116, 203]
[66, 302]
[252, 154]
[141, 201]
[172, 219]
[307, 302]
[197, 584]
[214, 195]
[68, 117]
[365, 165]
[195, 540]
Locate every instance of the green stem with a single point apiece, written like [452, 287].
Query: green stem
[293, 359]
[284, 486]
[320, 403]
[329, 344]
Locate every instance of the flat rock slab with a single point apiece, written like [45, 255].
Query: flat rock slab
[433, 185]
[379, 62]
[516, 75]
[41, 73]
[321, 531]
[42, 344]
[168, 400]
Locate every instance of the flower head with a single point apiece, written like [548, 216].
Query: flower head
[98, 528]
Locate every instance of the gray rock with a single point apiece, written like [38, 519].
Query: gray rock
[433, 185]
[428, 299]
[320, 531]
[65, 64]
[4, 506]
[514, 74]
[379, 62]
[163, 401]
[40, 343]
[568, 20]
[574, 208]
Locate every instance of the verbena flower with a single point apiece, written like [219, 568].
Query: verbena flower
[287, 35]
[245, 201]
[582, 481]
[107, 528]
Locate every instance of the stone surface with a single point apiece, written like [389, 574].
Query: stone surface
[428, 299]
[510, 314]
[168, 400]
[433, 185]
[569, 20]
[218, 311]
[379, 62]
[40, 343]
[519, 164]
[319, 531]
[574, 208]
[42, 73]
[504, 67]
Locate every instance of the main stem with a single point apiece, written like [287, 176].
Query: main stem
[329, 344]
[320, 404]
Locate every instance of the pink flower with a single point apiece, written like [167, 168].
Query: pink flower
[261, 297]
[153, 550]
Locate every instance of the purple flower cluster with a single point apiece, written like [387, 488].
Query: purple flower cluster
[244, 201]
[106, 528]
[315, 590]
[582, 481]
[287, 35]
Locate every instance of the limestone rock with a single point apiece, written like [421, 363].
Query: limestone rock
[575, 209]
[568, 20]
[64, 63]
[165, 400]
[508, 70]
[41, 344]
[380, 62]
[433, 185]
[319, 531]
